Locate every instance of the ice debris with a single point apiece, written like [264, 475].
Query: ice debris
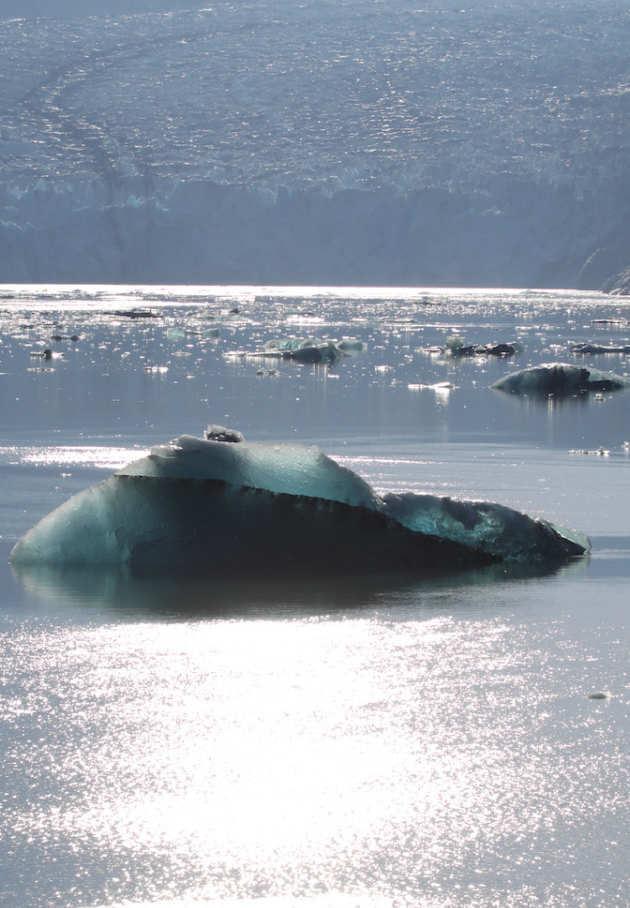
[595, 349]
[312, 350]
[136, 312]
[253, 506]
[559, 379]
[457, 346]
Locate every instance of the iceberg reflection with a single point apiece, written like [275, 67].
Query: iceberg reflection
[122, 590]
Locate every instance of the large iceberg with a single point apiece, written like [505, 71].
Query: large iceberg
[224, 507]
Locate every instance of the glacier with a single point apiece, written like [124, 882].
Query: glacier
[228, 508]
[337, 143]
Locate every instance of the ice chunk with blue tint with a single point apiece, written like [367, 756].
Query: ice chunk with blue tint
[559, 379]
[286, 468]
[499, 531]
[259, 507]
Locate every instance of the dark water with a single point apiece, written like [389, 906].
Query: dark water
[350, 741]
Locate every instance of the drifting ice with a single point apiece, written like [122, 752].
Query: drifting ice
[242, 506]
[559, 379]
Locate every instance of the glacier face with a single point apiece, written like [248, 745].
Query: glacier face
[319, 141]
[224, 507]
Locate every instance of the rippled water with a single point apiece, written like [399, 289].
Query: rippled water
[368, 741]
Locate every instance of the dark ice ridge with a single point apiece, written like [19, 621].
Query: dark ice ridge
[228, 508]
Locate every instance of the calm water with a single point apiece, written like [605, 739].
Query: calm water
[372, 741]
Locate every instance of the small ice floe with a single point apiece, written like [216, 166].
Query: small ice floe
[175, 333]
[303, 350]
[610, 322]
[596, 349]
[350, 345]
[46, 354]
[136, 312]
[383, 370]
[600, 695]
[597, 452]
[440, 387]
[317, 353]
[41, 354]
[456, 346]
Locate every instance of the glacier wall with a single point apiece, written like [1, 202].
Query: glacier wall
[203, 232]
[323, 141]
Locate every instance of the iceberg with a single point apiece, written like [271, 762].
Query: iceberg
[234, 507]
[559, 379]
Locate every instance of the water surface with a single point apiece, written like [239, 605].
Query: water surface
[375, 740]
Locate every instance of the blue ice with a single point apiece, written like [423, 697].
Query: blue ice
[232, 503]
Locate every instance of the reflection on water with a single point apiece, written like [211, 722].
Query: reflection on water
[185, 596]
[438, 748]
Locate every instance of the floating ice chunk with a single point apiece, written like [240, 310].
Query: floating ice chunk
[593, 349]
[456, 346]
[278, 345]
[310, 349]
[251, 506]
[350, 345]
[321, 353]
[599, 452]
[303, 350]
[440, 387]
[560, 379]
[609, 322]
[136, 312]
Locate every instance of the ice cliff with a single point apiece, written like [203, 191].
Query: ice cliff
[318, 142]
[225, 507]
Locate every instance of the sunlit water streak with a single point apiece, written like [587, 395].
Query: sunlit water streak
[366, 741]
